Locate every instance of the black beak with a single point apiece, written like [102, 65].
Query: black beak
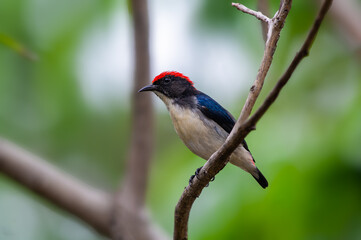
[150, 87]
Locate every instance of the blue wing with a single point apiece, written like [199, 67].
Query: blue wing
[213, 110]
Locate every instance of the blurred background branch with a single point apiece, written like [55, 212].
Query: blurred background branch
[89, 204]
[346, 16]
[130, 200]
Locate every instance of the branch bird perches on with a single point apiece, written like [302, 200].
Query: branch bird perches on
[246, 124]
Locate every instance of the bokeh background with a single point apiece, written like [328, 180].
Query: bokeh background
[65, 81]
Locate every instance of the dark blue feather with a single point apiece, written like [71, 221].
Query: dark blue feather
[214, 111]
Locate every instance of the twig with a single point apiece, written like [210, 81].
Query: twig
[274, 30]
[258, 15]
[219, 159]
[302, 53]
[89, 204]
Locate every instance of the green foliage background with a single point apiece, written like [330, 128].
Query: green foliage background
[308, 144]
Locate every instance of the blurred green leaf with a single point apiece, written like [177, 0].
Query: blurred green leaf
[17, 47]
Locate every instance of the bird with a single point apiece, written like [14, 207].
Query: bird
[201, 123]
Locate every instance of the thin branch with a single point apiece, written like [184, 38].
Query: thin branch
[302, 53]
[275, 27]
[219, 159]
[90, 205]
[258, 15]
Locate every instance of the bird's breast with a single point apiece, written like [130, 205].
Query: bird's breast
[202, 136]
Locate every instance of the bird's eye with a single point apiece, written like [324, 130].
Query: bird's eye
[166, 80]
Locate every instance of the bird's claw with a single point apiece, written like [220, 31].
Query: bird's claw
[196, 175]
[197, 171]
[191, 179]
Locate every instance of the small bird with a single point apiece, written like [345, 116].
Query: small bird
[201, 122]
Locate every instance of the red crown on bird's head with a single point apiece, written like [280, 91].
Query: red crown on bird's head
[171, 73]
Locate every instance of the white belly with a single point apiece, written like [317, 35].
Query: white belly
[201, 136]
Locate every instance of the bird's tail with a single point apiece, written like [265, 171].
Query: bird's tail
[260, 178]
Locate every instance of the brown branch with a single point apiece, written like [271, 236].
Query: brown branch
[90, 205]
[274, 29]
[140, 154]
[219, 159]
[250, 124]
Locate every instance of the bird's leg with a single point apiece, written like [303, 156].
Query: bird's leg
[196, 175]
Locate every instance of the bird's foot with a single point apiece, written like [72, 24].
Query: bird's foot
[197, 171]
[196, 175]
[191, 179]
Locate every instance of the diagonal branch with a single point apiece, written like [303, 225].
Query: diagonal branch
[250, 124]
[89, 204]
[220, 158]
[274, 29]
